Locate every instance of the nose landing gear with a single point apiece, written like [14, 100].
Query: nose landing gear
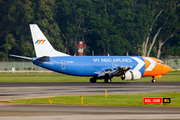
[153, 80]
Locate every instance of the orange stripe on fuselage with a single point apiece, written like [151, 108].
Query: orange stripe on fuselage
[152, 67]
[147, 63]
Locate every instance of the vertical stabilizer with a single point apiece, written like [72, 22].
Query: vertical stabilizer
[42, 45]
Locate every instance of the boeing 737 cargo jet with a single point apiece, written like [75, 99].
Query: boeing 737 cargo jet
[98, 67]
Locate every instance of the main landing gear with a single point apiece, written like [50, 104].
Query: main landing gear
[92, 80]
[106, 80]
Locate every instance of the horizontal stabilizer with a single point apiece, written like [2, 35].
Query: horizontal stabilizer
[28, 58]
[43, 59]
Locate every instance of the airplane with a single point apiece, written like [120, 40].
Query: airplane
[96, 67]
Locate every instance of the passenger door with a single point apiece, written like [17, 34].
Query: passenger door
[63, 64]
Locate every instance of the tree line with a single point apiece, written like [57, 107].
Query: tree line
[115, 27]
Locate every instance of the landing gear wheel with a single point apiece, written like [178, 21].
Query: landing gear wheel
[153, 80]
[92, 80]
[107, 80]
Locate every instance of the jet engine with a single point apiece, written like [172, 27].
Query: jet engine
[131, 75]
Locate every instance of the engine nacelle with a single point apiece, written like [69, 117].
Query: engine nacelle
[132, 75]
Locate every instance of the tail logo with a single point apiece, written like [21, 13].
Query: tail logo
[38, 42]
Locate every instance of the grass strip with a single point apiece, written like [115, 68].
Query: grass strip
[110, 100]
[57, 77]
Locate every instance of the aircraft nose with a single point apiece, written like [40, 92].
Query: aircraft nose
[168, 68]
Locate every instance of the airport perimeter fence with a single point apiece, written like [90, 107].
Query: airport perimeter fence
[28, 66]
[20, 66]
[172, 61]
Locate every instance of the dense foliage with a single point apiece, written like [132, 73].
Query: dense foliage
[117, 27]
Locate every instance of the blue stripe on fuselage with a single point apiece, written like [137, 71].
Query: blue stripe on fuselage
[88, 65]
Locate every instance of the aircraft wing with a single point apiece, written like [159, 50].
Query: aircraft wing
[113, 72]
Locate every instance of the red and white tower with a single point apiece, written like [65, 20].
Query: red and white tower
[81, 46]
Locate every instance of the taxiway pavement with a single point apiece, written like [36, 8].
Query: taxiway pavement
[67, 112]
[9, 91]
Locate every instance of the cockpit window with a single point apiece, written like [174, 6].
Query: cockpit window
[162, 63]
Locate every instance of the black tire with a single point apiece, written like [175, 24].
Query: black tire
[92, 80]
[153, 80]
[107, 80]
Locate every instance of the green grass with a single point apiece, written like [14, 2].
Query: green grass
[177, 72]
[111, 100]
[57, 77]
[40, 77]
[116, 100]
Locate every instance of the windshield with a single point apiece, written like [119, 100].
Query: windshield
[162, 63]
